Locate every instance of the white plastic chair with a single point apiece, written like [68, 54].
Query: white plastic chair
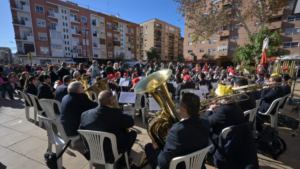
[192, 161]
[184, 91]
[280, 111]
[225, 131]
[251, 113]
[274, 118]
[258, 103]
[48, 107]
[95, 141]
[36, 110]
[59, 139]
[138, 105]
[26, 99]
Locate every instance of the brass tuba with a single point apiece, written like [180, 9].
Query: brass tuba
[155, 84]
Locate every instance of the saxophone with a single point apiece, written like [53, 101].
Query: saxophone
[155, 84]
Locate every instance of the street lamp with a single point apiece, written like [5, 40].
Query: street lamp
[30, 57]
[85, 32]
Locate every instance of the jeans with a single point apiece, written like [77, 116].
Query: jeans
[151, 155]
[3, 91]
[9, 89]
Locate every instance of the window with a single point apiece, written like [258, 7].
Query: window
[109, 44]
[293, 18]
[232, 49]
[146, 27]
[190, 51]
[102, 21]
[102, 31]
[235, 37]
[292, 31]
[39, 9]
[215, 2]
[291, 45]
[44, 50]
[146, 45]
[132, 31]
[202, 41]
[146, 39]
[110, 54]
[95, 55]
[212, 41]
[56, 48]
[223, 48]
[43, 36]
[102, 41]
[146, 33]
[103, 52]
[85, 31]
[109, 35]
[190, 43]
[85, 40]
[132, 39]
[83, 19]
[212, 50]
[190, 35]
[94, 22]
[201, 50]
[41, 23]
[108, 25]
[256, 23]
[55, 35]
[66, 18]
[86, 52]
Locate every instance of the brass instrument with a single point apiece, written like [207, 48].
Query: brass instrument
[291, 65]
[155, 84]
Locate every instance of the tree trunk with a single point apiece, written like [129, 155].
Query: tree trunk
[262, 13]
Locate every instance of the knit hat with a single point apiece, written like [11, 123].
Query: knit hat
[187, 78]
[125, 74]
[117, 74]
[135, 80]
[223, 90]
[111, 77]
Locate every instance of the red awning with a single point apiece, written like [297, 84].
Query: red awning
[271, 59]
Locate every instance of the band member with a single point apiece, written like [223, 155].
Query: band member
[181, 139]
[255, 93]
[187, 84]
[225, 115]
[261, 69]
[63, 71]
[62, 90]
[232, 76]
[139, 66]
[217, 74]
[203, 82]
[111, 82]
[268, 95]
[224, 75]
[104, 118]
[260, 78]
[156, 66]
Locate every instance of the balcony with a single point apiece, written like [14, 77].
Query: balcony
[116, 39]
[223, 52]
[94, 23]
[158, 46]
[54, 28]
[75, 32]
[53, 14]
[274, 25]
[20, 7]
[96, 34]
[21, 22]
[75, 20]
[26, 38]
[96, 45]
[223, 42]
[158, 27]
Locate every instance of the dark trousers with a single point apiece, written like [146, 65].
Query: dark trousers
[132, 138]
[151, 155]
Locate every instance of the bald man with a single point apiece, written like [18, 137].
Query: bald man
[112, 120]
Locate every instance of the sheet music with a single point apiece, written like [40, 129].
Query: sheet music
[204, 89]
[123, 82]
[127, 97]
[153, 105]
[175, 84]
[127, 108]
[198, 93]
[55, 85]
[141, 78]
[215, 85]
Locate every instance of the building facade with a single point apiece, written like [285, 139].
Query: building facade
[222, 46]
[55, 31]
[163, 36]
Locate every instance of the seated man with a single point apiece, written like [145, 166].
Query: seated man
[268, 95]
[44, 91]
[76, 75]
[225, 115]
[61, 91]
[112, 120]
[260, 78]
[203, 82]
[255, 93]
[187, 84]
[248, 104]
[185, 137]
[72, 106]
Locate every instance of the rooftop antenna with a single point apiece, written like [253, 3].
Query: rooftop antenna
[118, 16]
[108, 7]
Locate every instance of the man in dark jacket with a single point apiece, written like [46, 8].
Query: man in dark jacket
[109, 69]
[187, 84]
[139, 67]
[63, 71]
[203, 82]
[171, 88]
[185, 137]
[44, 91]
[121, 68]
[112, 120]
[72, 106]
[156, 66]
[248, 104]
[61, 91]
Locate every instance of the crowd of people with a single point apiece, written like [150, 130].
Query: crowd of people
[80, 112]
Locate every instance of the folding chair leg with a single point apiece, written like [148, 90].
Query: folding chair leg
[35, 115]
[49, 146]
[40, 122]
[27, 112]
[73, 143]
[59, 161]
[109, 166]
[143, 114]
[126, 158]
[91, 165]
[273, 121]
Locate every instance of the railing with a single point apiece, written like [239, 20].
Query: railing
[94, 23]
[95, 45]
[17, 5]
[95, 34]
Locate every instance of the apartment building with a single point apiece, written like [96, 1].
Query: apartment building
[222, 46]
[55, 31]
[166, 38]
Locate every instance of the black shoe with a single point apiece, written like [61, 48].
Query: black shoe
[12, 98]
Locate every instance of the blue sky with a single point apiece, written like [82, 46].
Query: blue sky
[137, 11]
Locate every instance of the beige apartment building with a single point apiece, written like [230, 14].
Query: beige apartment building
[54, 31]
[222, 46]
[166, 38]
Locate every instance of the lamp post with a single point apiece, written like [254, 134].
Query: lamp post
[85, 32]
[30, 57]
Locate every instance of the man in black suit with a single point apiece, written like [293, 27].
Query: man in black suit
[32, 87]
[156, 66]
[139, 67]
[121, 68]
[109, 69]
[63, 71]
[112, 120]
[187, 84]
[171, 88]
[203, 82]
[187, 136]
[61, 91]
[72, 106]
[248, 104]
[268, 95]
[255, 93]
[44, 91]
[225, 115]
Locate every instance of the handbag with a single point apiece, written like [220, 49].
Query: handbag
[51, 159]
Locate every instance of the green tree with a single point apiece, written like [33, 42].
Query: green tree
[247, 52]
[152, 54]
[180, 58]
[208, 56]
[119, 57]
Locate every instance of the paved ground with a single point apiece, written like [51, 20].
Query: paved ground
[23, 144]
